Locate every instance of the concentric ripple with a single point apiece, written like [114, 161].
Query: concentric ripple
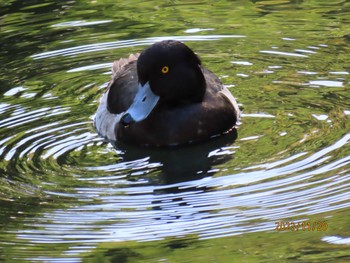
[121, 193]
[299, 186]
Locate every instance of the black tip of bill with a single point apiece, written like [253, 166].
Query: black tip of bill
[126, 120]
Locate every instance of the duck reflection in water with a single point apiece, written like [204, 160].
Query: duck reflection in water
[176, 167]
[182, 163]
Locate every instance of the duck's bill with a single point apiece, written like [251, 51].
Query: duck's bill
[143, 104]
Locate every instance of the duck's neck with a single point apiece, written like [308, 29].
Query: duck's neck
[200, 87]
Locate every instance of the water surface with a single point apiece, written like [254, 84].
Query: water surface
[68, 196]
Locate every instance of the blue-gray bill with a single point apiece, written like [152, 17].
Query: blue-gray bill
[143, 104]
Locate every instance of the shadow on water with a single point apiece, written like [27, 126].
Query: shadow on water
[185, 163]
[182, 164]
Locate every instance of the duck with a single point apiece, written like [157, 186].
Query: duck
[164, 96]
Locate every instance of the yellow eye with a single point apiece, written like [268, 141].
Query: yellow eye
[165, 69]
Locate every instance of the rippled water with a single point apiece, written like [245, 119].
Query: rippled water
[68, 196]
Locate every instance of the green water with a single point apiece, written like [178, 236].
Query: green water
[68, 196]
